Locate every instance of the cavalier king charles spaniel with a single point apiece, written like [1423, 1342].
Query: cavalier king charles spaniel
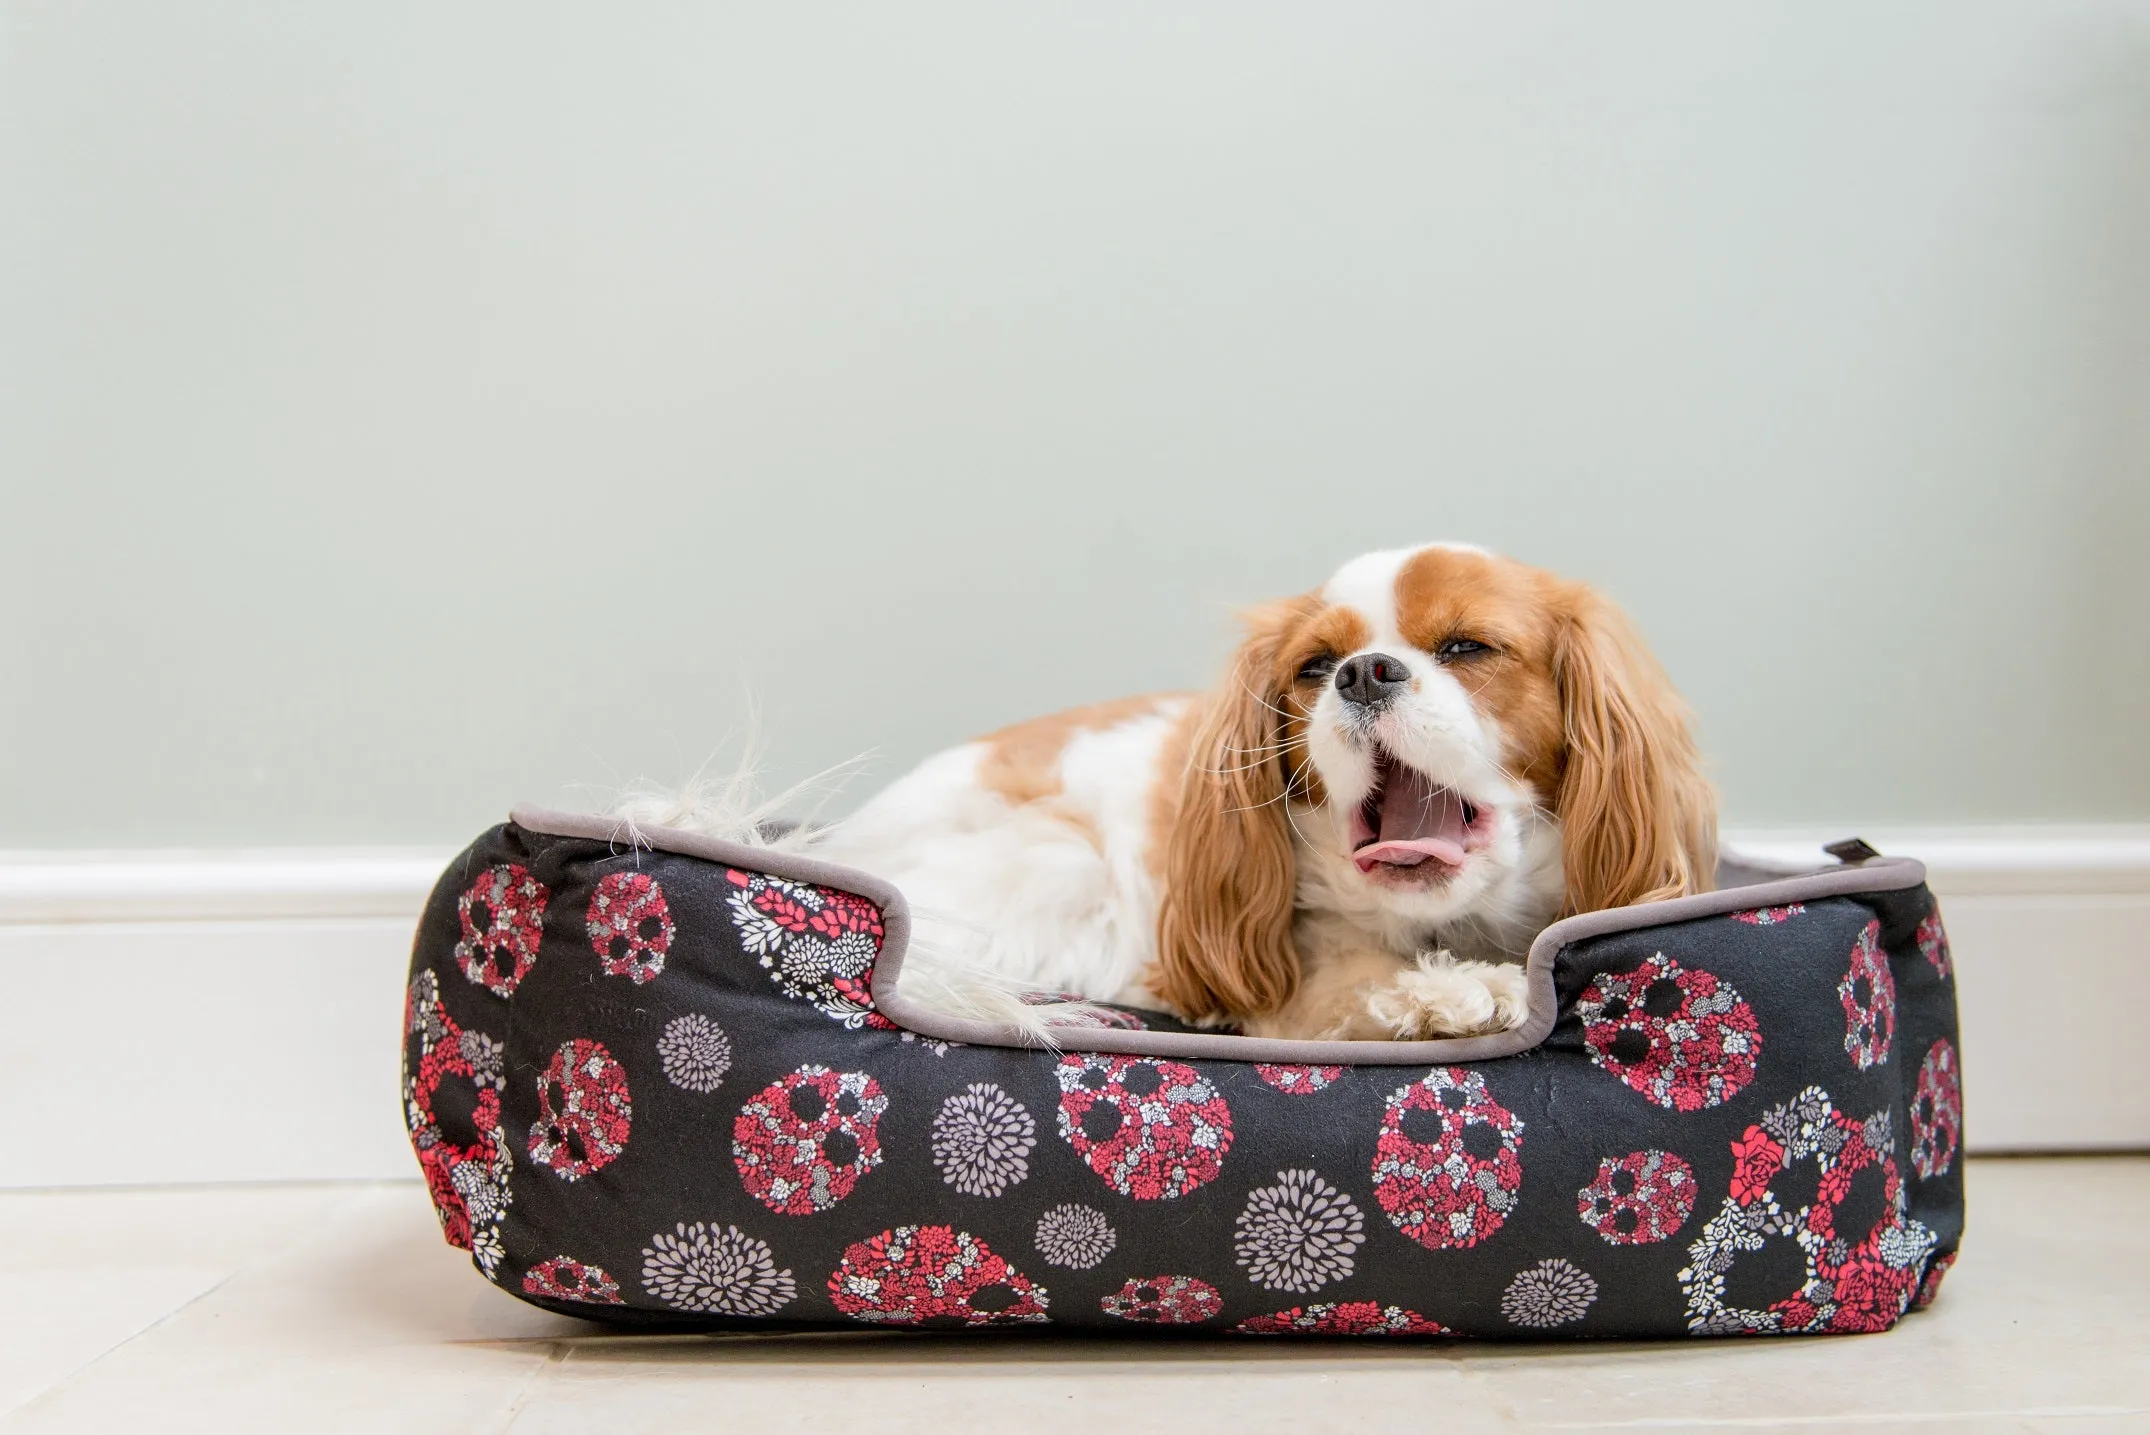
[1404, 775]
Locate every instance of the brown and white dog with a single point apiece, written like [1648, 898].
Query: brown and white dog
[1404, 776]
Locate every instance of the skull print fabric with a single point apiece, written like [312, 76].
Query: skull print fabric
[654, 1090]
[630, 926]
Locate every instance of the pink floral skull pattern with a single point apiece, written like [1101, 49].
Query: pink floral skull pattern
[1933, 944]
[467, 1182]
[584, 1113]
[1351, 1317]
[1164, 1300]
[1681, 1037]
[1770, 916]
[630, 926]
[565, 1278]
[502, 916]
[1868, 995]
[1448, 1161]
[1936, 1112]
[1638, 1198]
[803, 1143]
[1862, 1252]
[933, 1275]
[1155, 1130]
[1298, 1080]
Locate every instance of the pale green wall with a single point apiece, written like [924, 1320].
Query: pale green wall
[408, 408]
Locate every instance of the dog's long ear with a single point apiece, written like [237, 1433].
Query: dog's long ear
[1224, 921]
[1638, 818]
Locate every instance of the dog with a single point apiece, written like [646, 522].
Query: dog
[1403, 777]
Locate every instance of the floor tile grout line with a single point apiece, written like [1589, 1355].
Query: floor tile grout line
[538, 1379]
[250, 1263]
[29, 1402]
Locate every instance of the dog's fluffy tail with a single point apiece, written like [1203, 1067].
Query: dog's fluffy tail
[733, 807]
[947, 967]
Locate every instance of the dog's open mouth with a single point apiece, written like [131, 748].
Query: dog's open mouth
[1409, 820]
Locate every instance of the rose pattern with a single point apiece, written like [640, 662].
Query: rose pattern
[1855, 1280]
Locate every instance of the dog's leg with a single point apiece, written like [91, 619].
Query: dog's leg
[1352, 990]
[1440, 996]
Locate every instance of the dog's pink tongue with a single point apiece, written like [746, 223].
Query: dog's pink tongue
[1418, 821]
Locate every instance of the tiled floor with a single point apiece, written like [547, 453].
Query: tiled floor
[323, 1308]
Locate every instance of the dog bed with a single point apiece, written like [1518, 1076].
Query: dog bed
[679, 1086]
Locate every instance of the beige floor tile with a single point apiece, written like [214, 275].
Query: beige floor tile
[1929, 1425]
[327, 1308]
[365, 1322]
[1037, 1385]
[80, 1316]
[83, 1271]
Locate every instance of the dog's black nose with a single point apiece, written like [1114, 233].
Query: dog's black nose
[1370, 678]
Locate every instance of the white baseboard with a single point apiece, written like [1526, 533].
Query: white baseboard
[233, 1016]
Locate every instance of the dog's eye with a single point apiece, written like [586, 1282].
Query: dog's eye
[1456, 648]
[1317, 668]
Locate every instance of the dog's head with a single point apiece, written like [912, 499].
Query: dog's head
[1428, 740]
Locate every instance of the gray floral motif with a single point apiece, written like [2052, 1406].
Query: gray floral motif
[1298, 1235]
[817, 944]
[484, 1192]
[486, 1249]
[696, 1053]
[1076, 1237]
[484, 1055]
[725, 1271]
[426, 1019]
[1550, 1293]
[982, 1139]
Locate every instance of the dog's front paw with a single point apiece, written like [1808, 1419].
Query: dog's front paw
[1439, 996]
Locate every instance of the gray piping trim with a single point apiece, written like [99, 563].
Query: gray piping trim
[1881, 874]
